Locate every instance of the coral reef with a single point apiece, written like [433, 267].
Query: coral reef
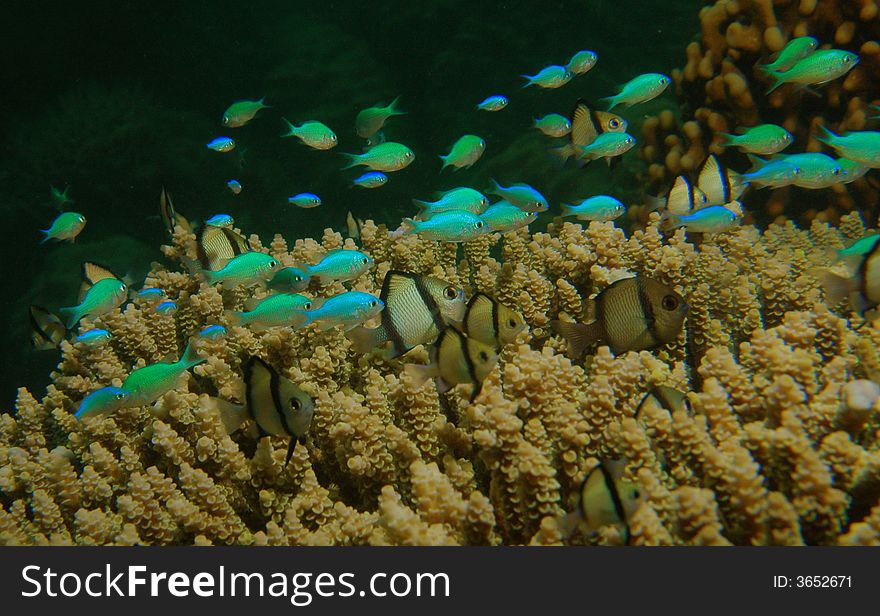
[781, 447]
[721, 88]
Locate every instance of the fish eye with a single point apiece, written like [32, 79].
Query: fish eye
[484, 201]
[511, 323]
[484, 356]
[836, 171]
[307, 305]
[373, 304]
[846, 59]
[614, 123]
[365, 260]
[669, 302]
[408, 154]
[297, 278]
[450, 292]
[119, 396]
[295, 404]
[479, 224]
[636, 493]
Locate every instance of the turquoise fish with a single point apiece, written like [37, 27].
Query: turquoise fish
[764, 139]
[102, 297]
[639, 90]
[371, 120]
[64, 228]
[521, 195]
[387, 156]
[493, 103]
[504, 217]
[282, 310]
[348, 309]
[464, 152]
[342, 265]
[314, 134]
[601, 208]
[796, 49]
[240, 113]
[104, 400]
[453, 226]
[553, 76]
[817, 68]
[858, 146]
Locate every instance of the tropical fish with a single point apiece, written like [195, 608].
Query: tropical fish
[815, 170]
[463, 199]
[314, 134]
[817, 68]
[146, 385]
[719, 184]
[764, 139]
[244, 269]
[276, 404]
[861, 246]
[371, 179]
[94, 338]
[282, 310]
[234, 186]
[342, 265]
[682, 197]
[305, 200]
[101, 401]
[493, 103]
[639, 90]
[213, 332]
[417, 309]
[216, 246]
[491, 322]
[167, 308]
[371, 120]
[862, 288]
[60, 197]
[521, 195]
[582, 61]
[503, 217]
[456, 360]
[387, 156]
[170, 217]
[150, 295]
[773, 173]
[553, 76]
[348, 309]
[64, 228]
[100, 298]
[604, 499]
[600, 207]
[710, 219]
[553, 125]
[464, 153]
[633, 314]
[796, 49]
[858, 146]
[290, 280]
[607, 145]
[47, 330]
[852, 170]
[221, 144]
[242, 112]
[452, 226]
[220, 220]
[663, 398]
[586, 125]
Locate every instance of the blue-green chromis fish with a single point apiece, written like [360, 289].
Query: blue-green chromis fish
[100, 401]
[504, 217]
[607, 145]
[601, 208]
[639, 90]
[60, 197]
[773, 173]
[796, 49]
[64, 228]
[94, 338]
[371, 179]
[387, 156]
[711, 219]
[521, 195]
[582, 61]
[817, 68]
[102, 297]
[462, 198]
[305, 200]
[282, 310]
[858, 146]
[861, 246]
[453, 226]
[221, 144]
[816, 170]
[493, 103]
[146, 385]
[314, 134]
[852, 170]
[246, 268]
[464, 152]
[342, 265]
[150, 295]
[290, 280]
[764, 139]
[553, 76]
[371, 120]
[167, 308]
[240, 113]
[348, 309]
[220, 220]
[553, 125]
[234, 186]
[213, 332]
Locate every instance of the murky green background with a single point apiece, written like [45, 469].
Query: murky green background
[116, 99]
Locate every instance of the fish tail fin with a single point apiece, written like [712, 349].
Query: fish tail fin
[494, 187]
[837, 288]
[291, 129]
[609, 99]
[756, 161]
[232, 415]
[563, 153]
[420, 374]
[776, 79]
[530, 80]
[191, 356]
[236, 318]
[445, 160]
[352, 160]
[567, 210]
[46, 237]
[364, 339]
[669, 221]
[653, 203]
[578, 335]
[738, 183]
[262, 102]
[825, 135]
[392, 107]
[409, 226]
[422, 205]
[69, 316]
[727, 140]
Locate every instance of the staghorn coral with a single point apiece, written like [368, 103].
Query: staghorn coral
[781, 448]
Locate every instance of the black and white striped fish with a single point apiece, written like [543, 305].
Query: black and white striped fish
[665, 398]
[586, 125]
[47, 330]
[216, 246]
[170, 217]
[683, 197]
[720, 184]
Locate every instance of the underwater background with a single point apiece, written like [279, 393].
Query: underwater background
[116, 100]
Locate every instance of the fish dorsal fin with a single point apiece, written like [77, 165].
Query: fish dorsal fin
[48, 330]
[714, 182]
[166, 210]
[261, 393]
[479, 308]
[584, 128]
[92, 273]
[680, 199]
[216, 246]
[395, 283]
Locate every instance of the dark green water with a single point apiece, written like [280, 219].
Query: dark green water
[115, 99]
